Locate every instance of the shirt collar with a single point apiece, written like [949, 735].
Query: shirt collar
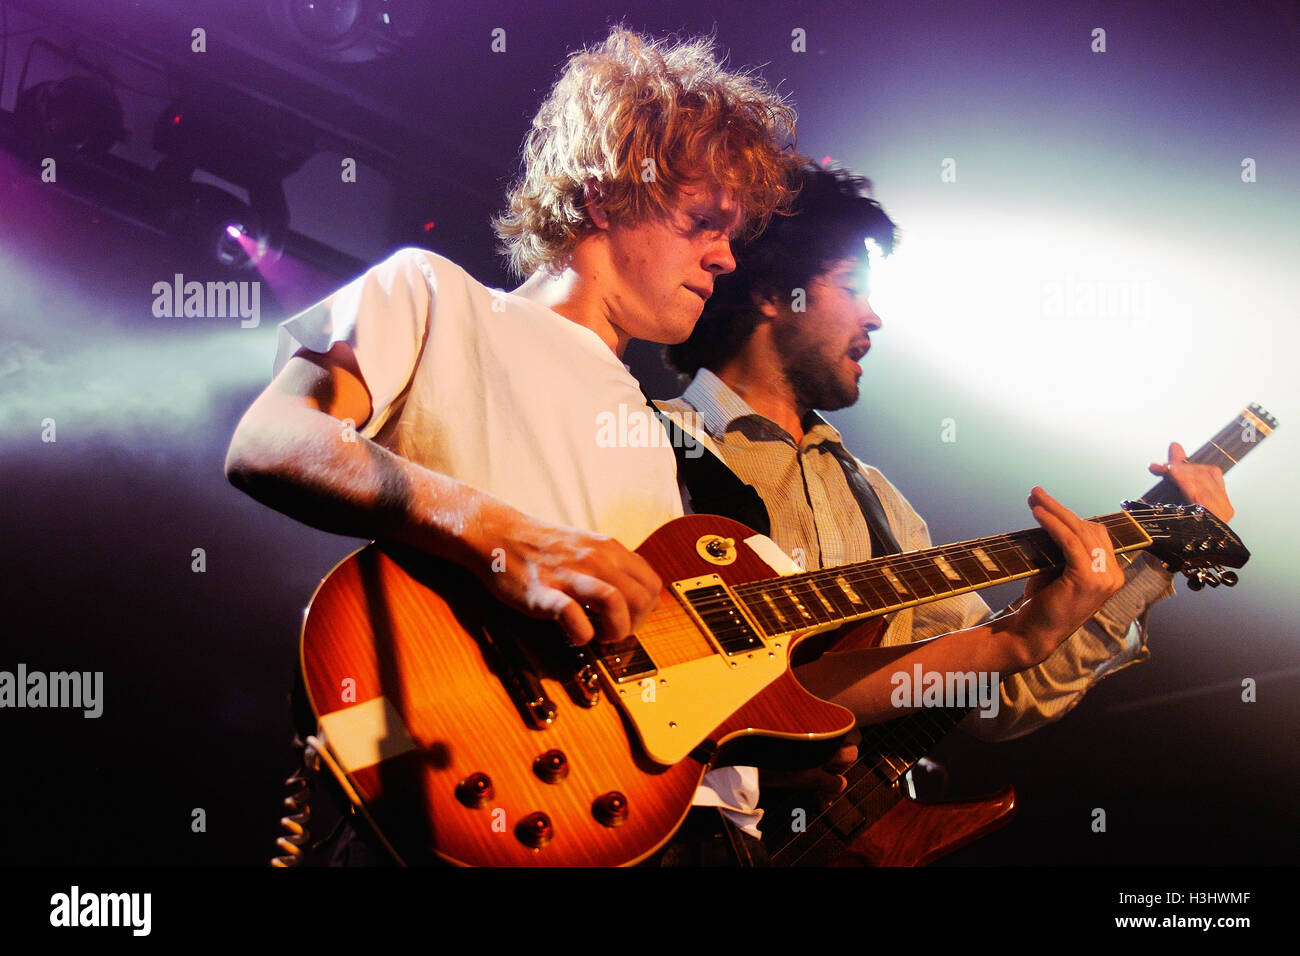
[719, 407]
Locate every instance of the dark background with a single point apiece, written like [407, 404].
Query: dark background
[99, 526]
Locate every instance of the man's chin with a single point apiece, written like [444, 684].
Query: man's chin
[832, 400]
[683, 331]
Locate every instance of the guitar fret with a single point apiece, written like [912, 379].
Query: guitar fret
[809, 602]
[825, 602]
[925, 575]
[757, 607]
[831, 590]
[794, 606]
[970, 569]
[856, 601]
[1231, 460]
[869, 584]
[1023, 555]
[946, 569]
[896, 771]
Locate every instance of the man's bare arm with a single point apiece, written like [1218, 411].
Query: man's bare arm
[296, 450]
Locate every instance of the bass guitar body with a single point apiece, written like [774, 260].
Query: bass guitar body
[474, 735]
[913, 833]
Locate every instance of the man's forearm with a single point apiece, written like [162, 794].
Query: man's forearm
[864, 681]
[305, 464]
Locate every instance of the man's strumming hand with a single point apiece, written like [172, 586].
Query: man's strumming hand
[554, 572]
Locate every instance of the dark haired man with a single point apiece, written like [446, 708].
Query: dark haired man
[783, 336]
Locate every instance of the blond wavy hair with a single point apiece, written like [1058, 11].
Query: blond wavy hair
[630, 100]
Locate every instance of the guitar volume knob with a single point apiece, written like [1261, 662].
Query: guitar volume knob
[610, 809]
[535, 830]
[475, 791]
[552, 766]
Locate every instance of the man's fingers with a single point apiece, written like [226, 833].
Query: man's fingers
[1078, 539]
[1040, 498]
[605, 601]
[639, 568]
[828, 784]
[843, 759]
[571, 617]
[1070, 543]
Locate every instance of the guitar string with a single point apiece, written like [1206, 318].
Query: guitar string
[993, 546]
[874, 574]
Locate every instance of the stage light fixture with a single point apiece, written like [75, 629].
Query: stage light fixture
[349, 31]
[78, 115]
[244, 145]
[213, 224]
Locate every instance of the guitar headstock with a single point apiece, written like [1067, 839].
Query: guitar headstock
[1191, 539]
[1258, 411]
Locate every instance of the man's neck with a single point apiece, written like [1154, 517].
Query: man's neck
[763, 385]
[574, 294]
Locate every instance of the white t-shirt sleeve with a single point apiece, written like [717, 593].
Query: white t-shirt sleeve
[384, 316]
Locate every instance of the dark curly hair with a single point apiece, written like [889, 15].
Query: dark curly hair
[830, 219]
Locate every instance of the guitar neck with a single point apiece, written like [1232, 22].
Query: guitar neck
[1237, 439]
[836, 596]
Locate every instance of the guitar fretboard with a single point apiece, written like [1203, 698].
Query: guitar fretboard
[836, 596]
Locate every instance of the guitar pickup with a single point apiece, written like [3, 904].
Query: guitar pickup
[723, 620]
[626, 660]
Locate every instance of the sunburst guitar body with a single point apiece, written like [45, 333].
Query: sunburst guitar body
[477, 736]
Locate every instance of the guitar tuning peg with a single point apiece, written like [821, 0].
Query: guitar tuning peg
[1194, 580]
[1211, 579]
[1229, 578]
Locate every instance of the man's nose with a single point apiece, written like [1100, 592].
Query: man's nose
[870, 320]
[720, 261]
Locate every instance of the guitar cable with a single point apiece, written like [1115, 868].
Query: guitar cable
[298, 805]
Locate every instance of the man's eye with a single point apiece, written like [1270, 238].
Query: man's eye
[703, 222]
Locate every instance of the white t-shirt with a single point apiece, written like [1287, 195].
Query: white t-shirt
[498, 392]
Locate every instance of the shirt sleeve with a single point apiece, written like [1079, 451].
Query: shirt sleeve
[1111, 640]
[384, 315]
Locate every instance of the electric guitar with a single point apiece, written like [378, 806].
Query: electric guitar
[468, 733]
[872, 822]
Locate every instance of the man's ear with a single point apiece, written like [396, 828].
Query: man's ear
[766, 303]
[591, 201]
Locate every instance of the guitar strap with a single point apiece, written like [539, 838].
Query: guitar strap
[714, 488]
